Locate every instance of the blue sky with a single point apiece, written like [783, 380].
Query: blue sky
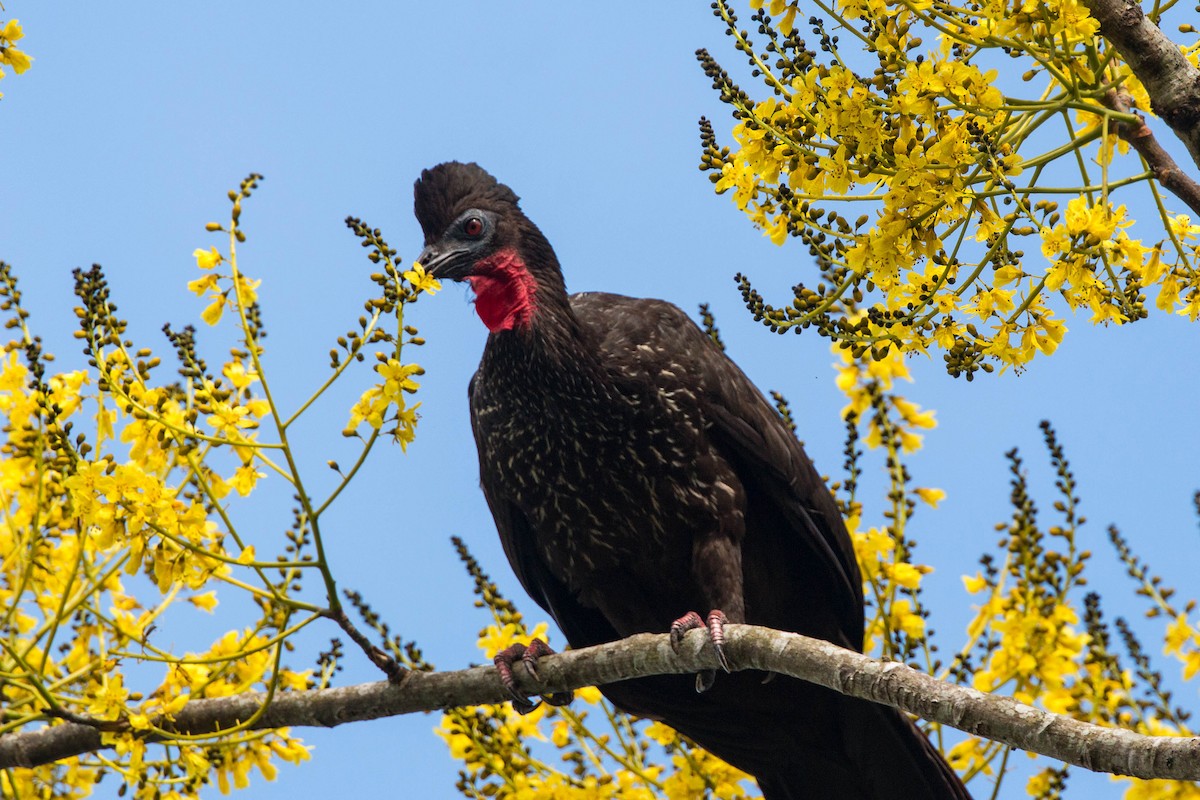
[121, 141]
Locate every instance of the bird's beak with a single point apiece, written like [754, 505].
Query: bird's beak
[445, 261]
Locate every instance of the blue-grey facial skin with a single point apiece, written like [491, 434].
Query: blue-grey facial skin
[463, 244]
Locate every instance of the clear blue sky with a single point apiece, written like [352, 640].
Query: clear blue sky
[121, 141]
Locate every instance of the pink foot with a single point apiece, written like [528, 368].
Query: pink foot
[715, 625]
[528, 656]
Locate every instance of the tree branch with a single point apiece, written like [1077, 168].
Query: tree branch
[1142, 139]
[747, 647]
[1172, 83]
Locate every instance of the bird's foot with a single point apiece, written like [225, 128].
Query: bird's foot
[527, 655]
[715, 625]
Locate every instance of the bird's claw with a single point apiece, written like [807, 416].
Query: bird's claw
[527, 655]
[716, 632]
[681, 626]
[715, 625]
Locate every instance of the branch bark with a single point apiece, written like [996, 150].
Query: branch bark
[1142, 139]
[1172, 83]
[1000, 718]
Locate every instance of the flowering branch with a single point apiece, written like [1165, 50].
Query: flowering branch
[1171, 81]
[999, 718]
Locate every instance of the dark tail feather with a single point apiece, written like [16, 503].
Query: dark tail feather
[799, 740]
[884, 756]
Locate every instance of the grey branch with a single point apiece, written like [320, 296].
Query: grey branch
[748, 647]
[1172, 83]
[1159, 160]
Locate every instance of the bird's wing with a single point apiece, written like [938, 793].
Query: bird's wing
[581, 625]
[641, 338]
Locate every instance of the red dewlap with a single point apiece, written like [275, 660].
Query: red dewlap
[504, 291]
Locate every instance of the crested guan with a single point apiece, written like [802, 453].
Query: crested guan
[636, 475]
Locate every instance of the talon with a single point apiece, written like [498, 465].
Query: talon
[527, 655]
[525, 705]
[681, 626]
[536, 649]
[504, 661]
[716, 632]
[715, 625]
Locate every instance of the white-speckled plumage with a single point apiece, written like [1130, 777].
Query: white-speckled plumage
[635, 475]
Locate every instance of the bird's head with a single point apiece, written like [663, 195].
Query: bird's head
[475, 231]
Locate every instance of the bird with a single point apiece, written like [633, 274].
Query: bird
[640, 482]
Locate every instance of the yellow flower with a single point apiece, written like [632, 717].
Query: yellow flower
[903, 618]
[239, 376]
[212, 314]
[397, 377]
[406, 426]
[12, 31]
[108, 698]
[1055, 241]
[1006, 275]
[206, 601]
[931, 496]
[1038, 785]
[421, 280]
[1182, 227]
[204, 283]
[296, 681]
[590, 695]
[663, 734]
[369, 408]
[15, 58]
[493, 639]
[560, 734]
[244, 479]
[906, 575]
[207, 259]
[974, 583]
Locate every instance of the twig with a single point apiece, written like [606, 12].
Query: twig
[1142, 139]
[394, 670]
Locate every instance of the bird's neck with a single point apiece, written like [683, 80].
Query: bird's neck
[521, 297]
[506, 293]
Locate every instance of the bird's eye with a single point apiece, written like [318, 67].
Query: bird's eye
[473, 226]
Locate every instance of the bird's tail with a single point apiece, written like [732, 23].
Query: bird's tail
[799, 740]
[883, 756]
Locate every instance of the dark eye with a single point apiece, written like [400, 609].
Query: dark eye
[473, 226]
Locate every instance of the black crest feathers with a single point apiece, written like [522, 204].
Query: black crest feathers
[445, 191]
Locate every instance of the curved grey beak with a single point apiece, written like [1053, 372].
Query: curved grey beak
[444, 261]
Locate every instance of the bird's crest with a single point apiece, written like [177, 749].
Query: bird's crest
[445, 191]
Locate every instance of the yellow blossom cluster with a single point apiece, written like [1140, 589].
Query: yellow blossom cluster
[376, 402]
[934, 154]
[891, 581]
[1183, 642]
[120, 494]
[10, 55]
[79, 525]
[386, 401]
[588, 751]
[1028, 638]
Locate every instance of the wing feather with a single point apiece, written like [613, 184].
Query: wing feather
[637, 336]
